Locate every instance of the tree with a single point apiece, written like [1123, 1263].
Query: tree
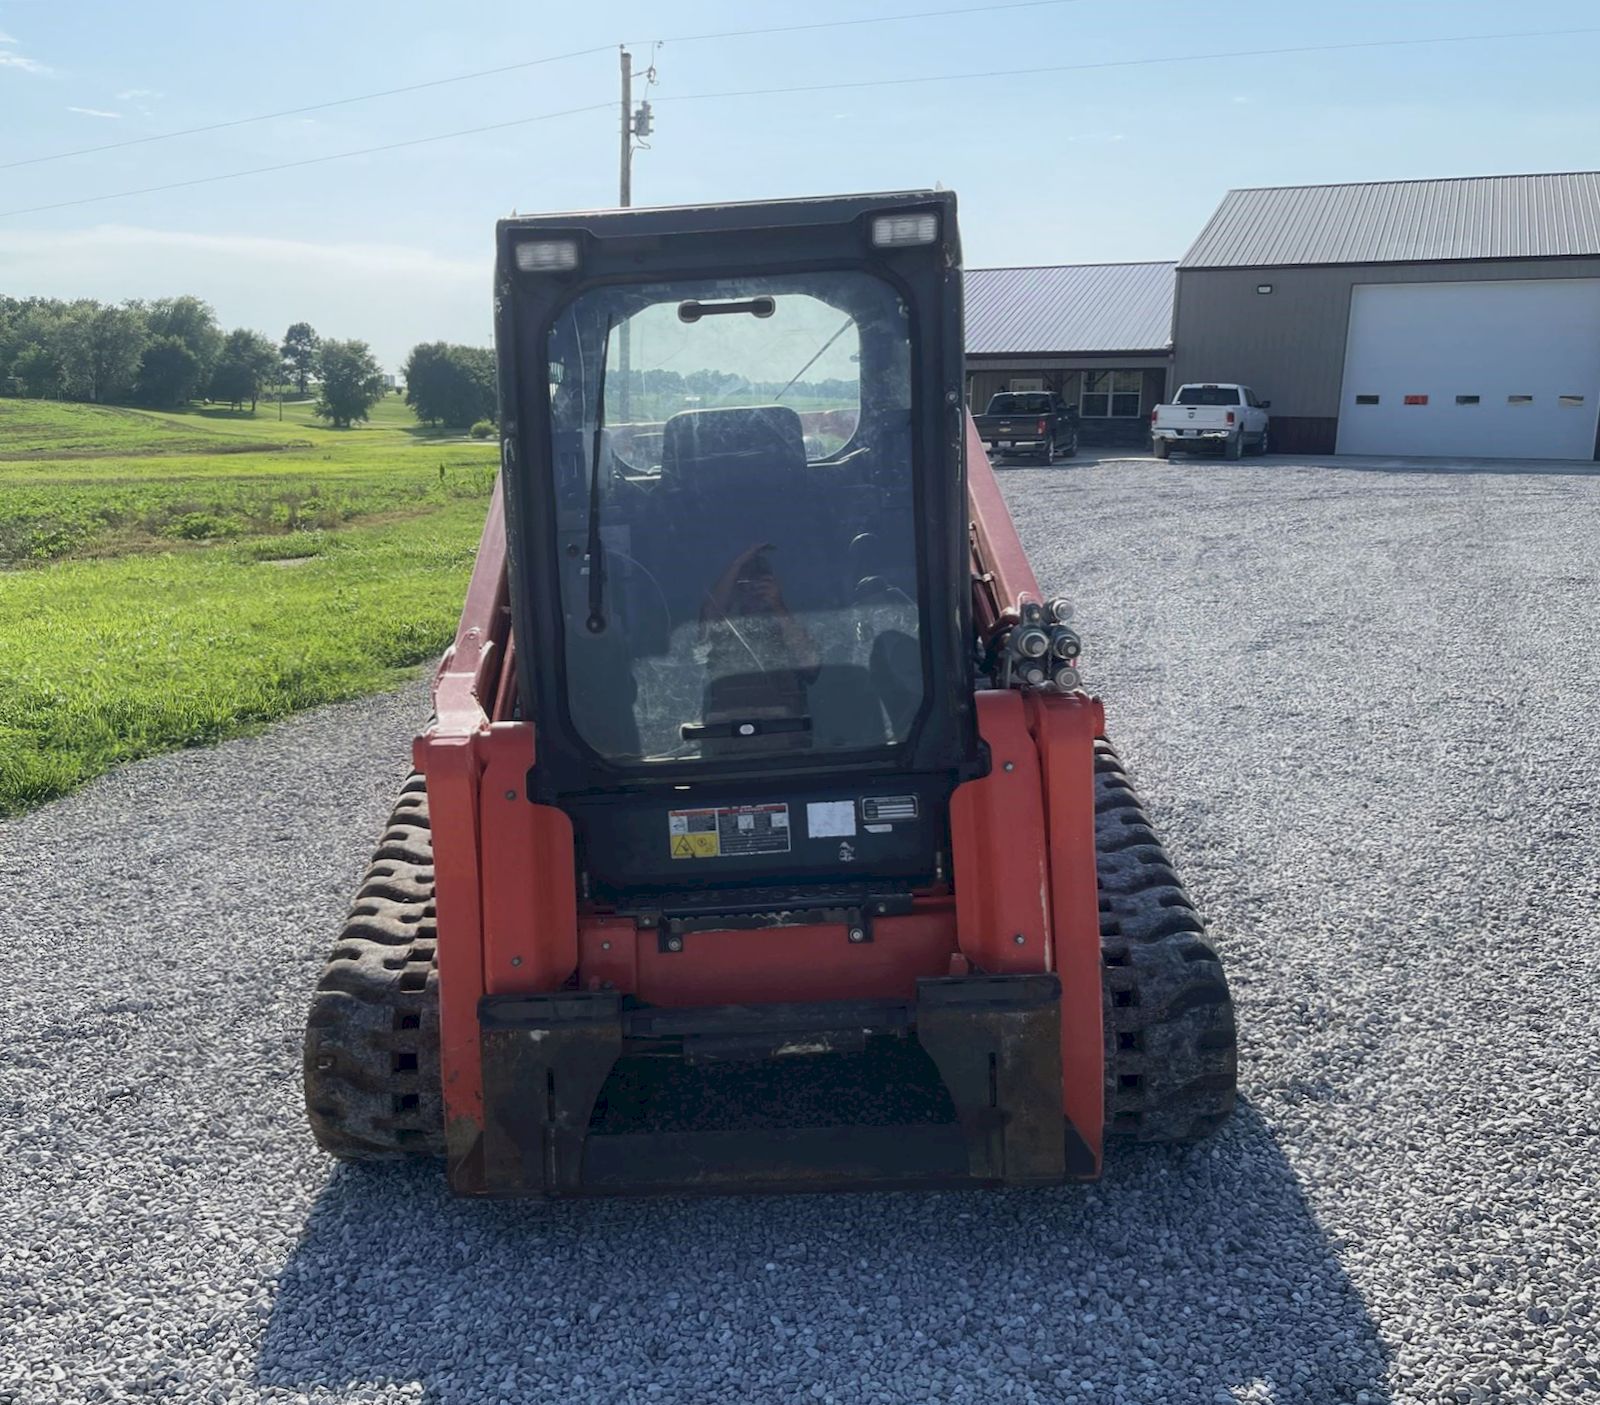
[191, 322]
[300, 344]
[169, 373]
[451, 385]
[99, 348]
[245, 367]
[350, 382]
[37, 369]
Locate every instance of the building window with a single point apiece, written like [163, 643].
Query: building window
[1466, 399]
[1111, 394]
[1366, 399]
[1571, 401]
[1519, 399]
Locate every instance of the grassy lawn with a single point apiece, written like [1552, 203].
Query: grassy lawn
[143, 481]
[167, 579]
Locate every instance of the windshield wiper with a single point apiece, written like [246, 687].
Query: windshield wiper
[847, 323]
[744, 729]
[596, 622]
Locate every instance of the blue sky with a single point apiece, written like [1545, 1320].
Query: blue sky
[1095, 165]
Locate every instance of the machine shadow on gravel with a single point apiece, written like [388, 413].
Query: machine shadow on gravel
[1195, 1274]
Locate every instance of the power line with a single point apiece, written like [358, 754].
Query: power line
[310, 160]
[514, 68]
[1126, 63]
[296, 111]
[866, 19]
[818, 88]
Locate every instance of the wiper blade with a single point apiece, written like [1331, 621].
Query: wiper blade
[596, 622]
[753, 727]
[843, 327]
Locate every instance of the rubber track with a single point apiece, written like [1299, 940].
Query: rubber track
[1171, 1054]
[372, 1037]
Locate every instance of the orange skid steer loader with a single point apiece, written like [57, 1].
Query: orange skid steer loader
[763, 837]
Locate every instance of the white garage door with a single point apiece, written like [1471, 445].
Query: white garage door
[1497, 370]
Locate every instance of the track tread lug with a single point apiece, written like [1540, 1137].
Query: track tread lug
[1171, 1044]
[371, 1062]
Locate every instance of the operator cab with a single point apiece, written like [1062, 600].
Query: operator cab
[736, 502]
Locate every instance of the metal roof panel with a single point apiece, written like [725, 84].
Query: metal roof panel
[1475, 217]
[1070, 309]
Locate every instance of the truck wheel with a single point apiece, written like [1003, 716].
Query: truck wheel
[1160, 448]
[1234, 449]
[1261, 445]
[1072, 446]
[1049, 452]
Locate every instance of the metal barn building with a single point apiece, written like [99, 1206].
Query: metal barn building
[1098, 334]
[1435, 317]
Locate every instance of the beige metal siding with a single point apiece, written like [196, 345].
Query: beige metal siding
[1289, 345]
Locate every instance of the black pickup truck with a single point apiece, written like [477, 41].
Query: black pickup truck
[1029, 422]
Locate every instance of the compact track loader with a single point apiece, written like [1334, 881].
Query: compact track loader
[763, 837]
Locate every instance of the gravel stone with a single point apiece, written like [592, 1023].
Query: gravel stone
[1360, 704]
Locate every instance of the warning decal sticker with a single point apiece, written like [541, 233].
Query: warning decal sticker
[729, 832]
[693, 833]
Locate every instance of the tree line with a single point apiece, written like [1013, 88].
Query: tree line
[167, 352]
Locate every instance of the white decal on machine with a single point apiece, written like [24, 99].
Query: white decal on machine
[830, 819]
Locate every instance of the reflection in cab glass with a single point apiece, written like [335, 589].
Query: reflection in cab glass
[732, 467]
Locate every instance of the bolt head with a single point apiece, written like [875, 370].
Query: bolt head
[674, 943]
[511, 795]
[1009, 766]
[605, 946]
[1020, 940]
[857, 934]
[516, 961]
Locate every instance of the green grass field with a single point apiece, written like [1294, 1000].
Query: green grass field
[168, 579]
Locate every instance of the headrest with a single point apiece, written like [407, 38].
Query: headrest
[714, 448]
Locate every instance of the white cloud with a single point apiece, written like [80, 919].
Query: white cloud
[135, 94]
[389, 295]
[21, 61]
[6, 38]
[96, 112]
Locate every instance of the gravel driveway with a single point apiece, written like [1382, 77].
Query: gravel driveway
[1362, 704]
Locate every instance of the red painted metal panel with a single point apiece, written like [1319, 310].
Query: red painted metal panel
[608, 954]
[1006, 579]
[769, 965]
[530, 899]
[464, 687]
[451, 755]
[453, 768]
[998, 846]
[1064, 727]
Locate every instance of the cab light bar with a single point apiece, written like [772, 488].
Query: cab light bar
[898, 231]
[547, 255]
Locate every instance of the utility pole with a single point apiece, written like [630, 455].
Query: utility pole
[634, 124]
[627, 130]
[625, 198]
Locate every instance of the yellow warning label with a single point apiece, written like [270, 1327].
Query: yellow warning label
[695, 846]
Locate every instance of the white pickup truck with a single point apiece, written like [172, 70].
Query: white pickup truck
[1211, 416]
